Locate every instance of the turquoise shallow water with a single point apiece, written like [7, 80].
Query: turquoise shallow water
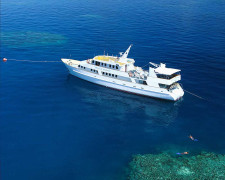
[55, 126]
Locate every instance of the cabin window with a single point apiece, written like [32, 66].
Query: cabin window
[97, 63]
[112, 75]
[109, 74]
[113, 66]
[117, 67]
[163, 76]
[144, 82]
[106, 74]
[103, 73]
[91, 69]
[105, 64]
[78, 65]
[110, 65]
[101, 64]
[164, 86]
[93, 62]
[96, 71]
[116, 76]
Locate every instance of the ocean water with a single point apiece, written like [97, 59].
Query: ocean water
[56, 126]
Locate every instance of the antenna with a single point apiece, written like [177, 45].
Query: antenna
[156, 65]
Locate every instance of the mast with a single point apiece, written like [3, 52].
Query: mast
[124, 55]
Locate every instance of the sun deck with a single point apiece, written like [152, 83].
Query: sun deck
[108, 59]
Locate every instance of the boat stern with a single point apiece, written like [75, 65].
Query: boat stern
[177, 92]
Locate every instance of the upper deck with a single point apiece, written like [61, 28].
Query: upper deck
[106, 58]
[162, 69]
[110, 59]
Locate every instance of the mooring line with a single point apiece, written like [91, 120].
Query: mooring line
[29, 60]
[195, 95]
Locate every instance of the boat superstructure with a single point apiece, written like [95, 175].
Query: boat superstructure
[120, 73]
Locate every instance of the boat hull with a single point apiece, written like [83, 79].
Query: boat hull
[97, 79]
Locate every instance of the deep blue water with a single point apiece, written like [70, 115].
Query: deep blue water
[55, 126]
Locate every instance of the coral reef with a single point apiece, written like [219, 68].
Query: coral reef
[164, 166]
[23, 39]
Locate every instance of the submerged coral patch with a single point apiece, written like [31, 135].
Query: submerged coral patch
[91, 16]
[30, 39]
[164, 166]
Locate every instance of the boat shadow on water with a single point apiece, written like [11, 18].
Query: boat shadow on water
[123, 105]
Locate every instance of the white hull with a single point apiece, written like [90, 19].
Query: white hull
[125, 86]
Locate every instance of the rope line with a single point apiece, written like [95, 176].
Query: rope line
[30, 60]
[145, 65]
[195, 95]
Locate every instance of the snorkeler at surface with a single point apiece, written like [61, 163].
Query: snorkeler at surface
[182, 153]
[192, 138]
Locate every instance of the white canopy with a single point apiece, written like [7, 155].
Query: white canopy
[166, 71]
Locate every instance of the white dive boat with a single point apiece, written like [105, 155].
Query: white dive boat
[121, 74]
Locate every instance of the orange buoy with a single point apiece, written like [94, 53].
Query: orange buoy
[4, 59]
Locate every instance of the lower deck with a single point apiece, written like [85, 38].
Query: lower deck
[123, 86]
